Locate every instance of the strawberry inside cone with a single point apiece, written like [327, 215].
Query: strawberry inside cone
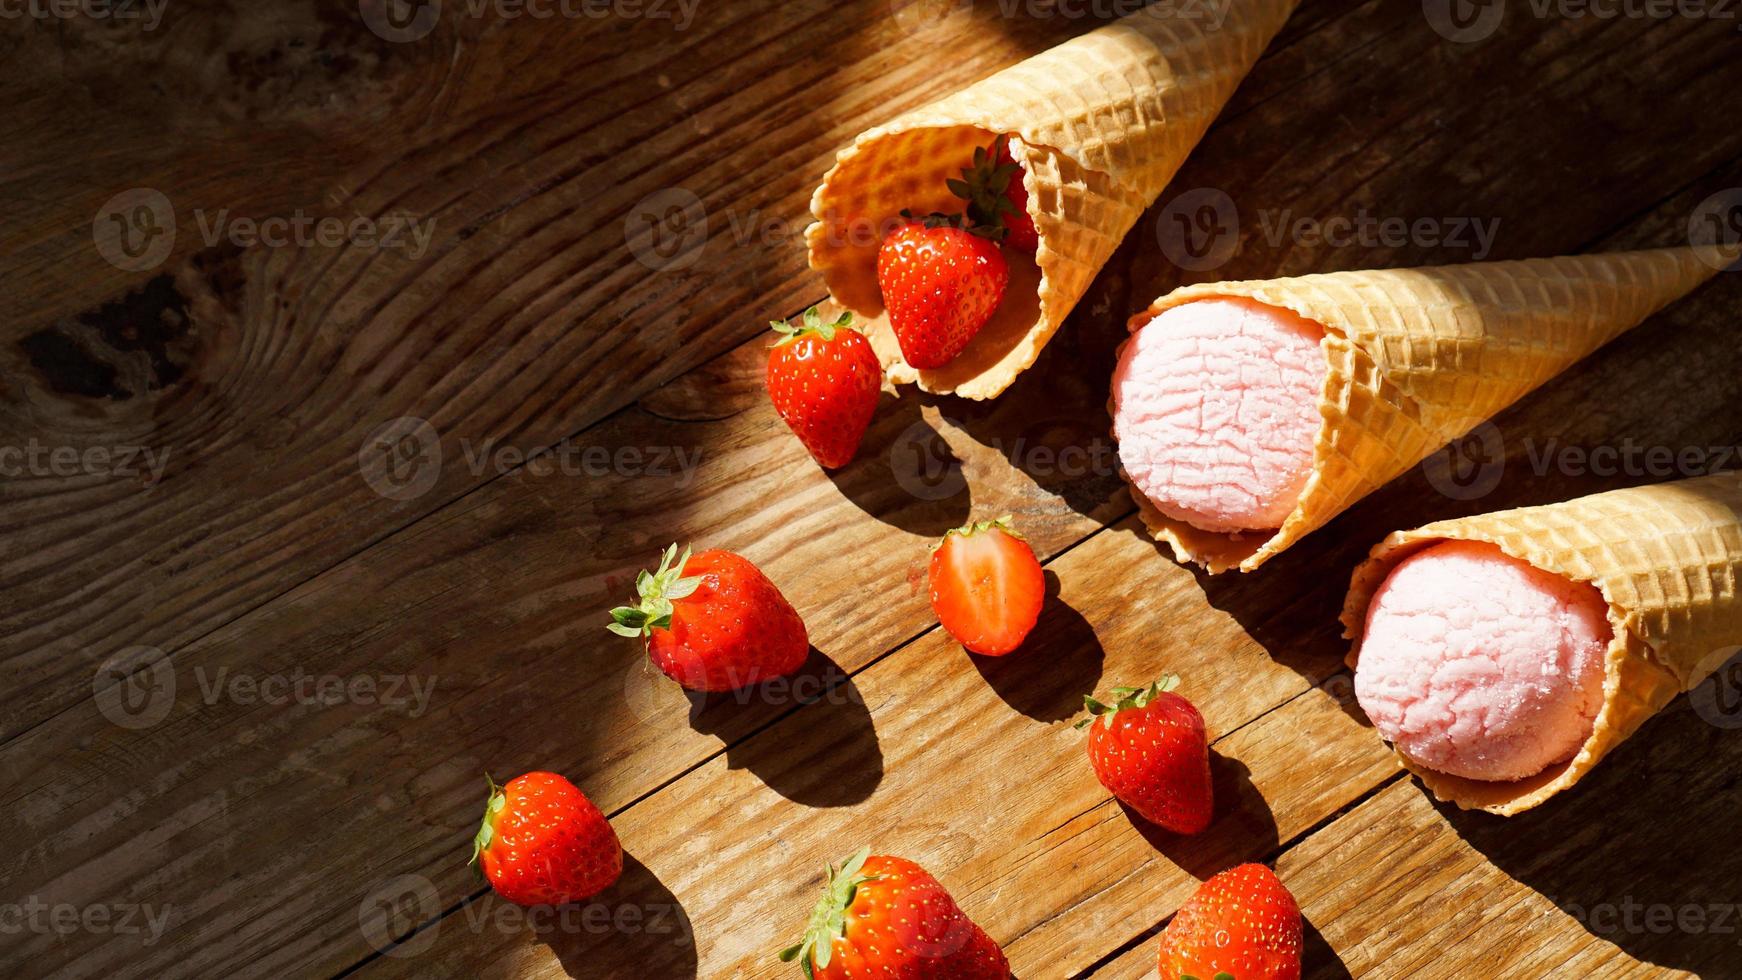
[943, 276]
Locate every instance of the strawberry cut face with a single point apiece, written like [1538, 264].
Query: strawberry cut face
[987, 587]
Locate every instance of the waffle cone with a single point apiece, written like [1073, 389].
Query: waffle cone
[1666, 558]
[1419, 357]
[1100, 124]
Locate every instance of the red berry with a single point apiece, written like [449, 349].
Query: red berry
[1150, 751]
[885, 917]
[1241, 923]
[1019, 226]
[986, 586]
[940, 285]
[544, 843]
[824, 379]
[714, 622]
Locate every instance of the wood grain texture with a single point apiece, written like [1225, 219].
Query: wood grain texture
[273, 832]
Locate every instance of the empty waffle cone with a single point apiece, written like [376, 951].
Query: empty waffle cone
[1666, 558]
[1419, 357]
[1100, 124]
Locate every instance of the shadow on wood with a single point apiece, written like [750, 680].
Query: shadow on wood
[839, 763]
[636, 927]
[1242, 828]
[1646, 853]
[1060, 662]
[1318, 960]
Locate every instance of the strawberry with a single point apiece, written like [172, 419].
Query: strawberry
[544, 843]
[1150, 751]
[943, 276]
[823, 379]
[885, 917]
[1240, 924]
[986, 586]
[714, 622]
[1019, 226]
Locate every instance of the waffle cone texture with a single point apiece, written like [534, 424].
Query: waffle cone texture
[1666, 558]
[1100, 125]
[1419, 357]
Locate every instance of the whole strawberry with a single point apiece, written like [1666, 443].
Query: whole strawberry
[714, 622]
[823, 379]
[943, 275]
[544, 843]
[1242, 923]
[1150, 751]
[987, 587]
[885, 917]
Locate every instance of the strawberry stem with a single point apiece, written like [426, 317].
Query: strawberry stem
[656, 590]
[829, 919]
[1127, 698]
[812, 322]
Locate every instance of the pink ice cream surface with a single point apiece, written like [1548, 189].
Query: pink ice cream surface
[1476, 664]
[1216, 410]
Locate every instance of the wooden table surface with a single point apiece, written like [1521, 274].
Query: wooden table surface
[281, 582]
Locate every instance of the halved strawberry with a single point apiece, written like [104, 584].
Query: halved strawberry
[1150, 751]
[1241, 924]
[986, 586]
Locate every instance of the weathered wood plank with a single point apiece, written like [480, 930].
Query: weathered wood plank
[1000, 803]
[523, 146]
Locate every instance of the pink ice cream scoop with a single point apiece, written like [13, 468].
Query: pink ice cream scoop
[1216, 409]
[1476, 664]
